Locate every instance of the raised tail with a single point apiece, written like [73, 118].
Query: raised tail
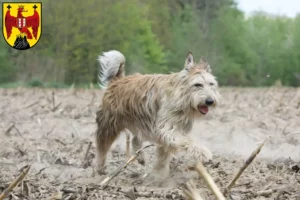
[111, 67]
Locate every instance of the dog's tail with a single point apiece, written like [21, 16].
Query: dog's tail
[112, 65]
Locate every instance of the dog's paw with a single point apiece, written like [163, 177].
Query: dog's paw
[141, 161]
[207, 155]
[141, 158]
[202, 154]
[102, 171]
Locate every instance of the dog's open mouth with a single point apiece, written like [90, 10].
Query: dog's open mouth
[203, 109]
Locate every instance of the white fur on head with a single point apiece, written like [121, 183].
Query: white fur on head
[209, 89]
[111, 65]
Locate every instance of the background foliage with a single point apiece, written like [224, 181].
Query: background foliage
[155, 36]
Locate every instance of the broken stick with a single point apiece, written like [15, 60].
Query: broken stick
[246, 164]
[86, 159]
[119, 170]
[9, 129]
[76, 129]
[30, 105]
[55, 108]
[15, 183]
[127, 145]
[13, 125]
[209, 181]
[190, 191]
[53, 100]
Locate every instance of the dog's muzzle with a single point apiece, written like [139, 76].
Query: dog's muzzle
[209, 101]
[203, 109]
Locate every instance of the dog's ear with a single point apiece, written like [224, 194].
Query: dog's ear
[204, 64]
[189, 62]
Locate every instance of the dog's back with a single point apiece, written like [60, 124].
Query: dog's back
[131, 99]
[133, 95]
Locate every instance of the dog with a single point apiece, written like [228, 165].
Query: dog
[159, 108]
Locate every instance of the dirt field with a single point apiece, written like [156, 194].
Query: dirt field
[53, 136]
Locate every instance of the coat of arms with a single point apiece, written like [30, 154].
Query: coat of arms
[21, 24]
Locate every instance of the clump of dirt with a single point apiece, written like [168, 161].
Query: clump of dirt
[51, 130]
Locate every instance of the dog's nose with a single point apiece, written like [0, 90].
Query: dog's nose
[209, 101]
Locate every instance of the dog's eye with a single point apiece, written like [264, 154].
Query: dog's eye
[199, 85]
[211, 84]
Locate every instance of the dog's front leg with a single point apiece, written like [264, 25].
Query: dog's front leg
[162, 165]
[167, 143]
[176, 142]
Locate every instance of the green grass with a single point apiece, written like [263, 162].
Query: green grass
[38, 84]
[11, 85]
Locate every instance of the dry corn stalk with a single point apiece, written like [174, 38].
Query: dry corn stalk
[15, 182]
[127, 145]
[190, 191]
[246, 164]
[119, 170]
[209, 181]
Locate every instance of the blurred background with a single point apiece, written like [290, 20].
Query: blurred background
[244, 47]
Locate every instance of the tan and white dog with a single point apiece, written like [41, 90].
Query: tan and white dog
[157, 108]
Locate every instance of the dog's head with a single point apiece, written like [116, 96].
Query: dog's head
[202, 85]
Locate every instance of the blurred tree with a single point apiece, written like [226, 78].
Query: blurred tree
[228, 33]
[76, 32]
[8, 70]
[271, 40]
[155, 37]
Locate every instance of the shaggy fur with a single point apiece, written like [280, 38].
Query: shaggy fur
[156, 108]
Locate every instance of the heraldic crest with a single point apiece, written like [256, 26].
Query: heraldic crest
[21, 24]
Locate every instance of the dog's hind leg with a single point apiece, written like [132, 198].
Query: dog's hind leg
[136, 145]
[107, 132]
[104, 140]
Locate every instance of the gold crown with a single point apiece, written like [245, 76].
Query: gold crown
[21, 6]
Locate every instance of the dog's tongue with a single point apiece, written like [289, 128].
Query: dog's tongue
[203, 109]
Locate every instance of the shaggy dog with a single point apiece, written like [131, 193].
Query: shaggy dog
[157, 108]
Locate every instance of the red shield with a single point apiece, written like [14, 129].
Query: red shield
[21, 22]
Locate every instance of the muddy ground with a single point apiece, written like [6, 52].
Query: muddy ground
[53, 136]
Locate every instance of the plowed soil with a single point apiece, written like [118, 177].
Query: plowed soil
[52, 136]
